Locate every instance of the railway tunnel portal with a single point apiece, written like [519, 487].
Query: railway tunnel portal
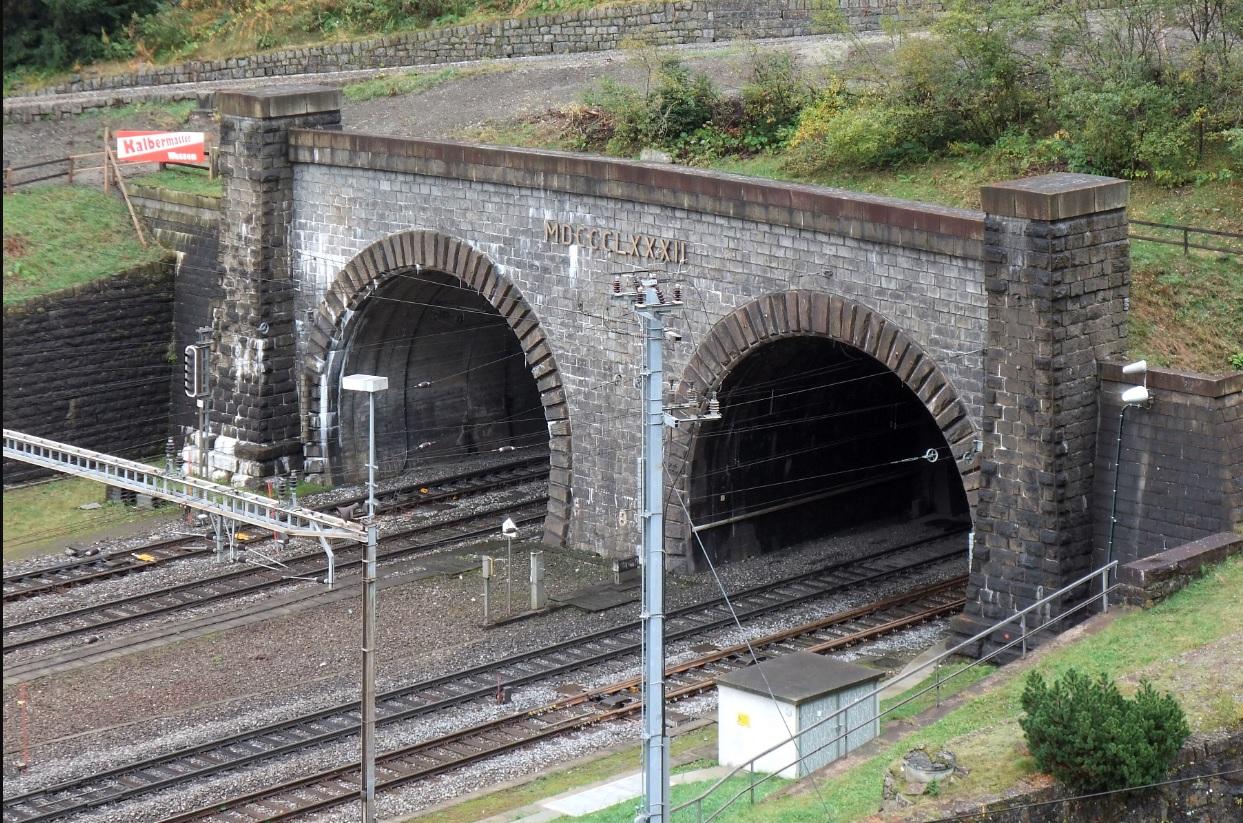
[893, 330]
[819, 436]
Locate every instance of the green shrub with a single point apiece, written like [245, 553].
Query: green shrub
[167, 33]
[772, 100]
[866, 134]
[1128, 127]
[681, 103]
[1091, 738]
[56, 34]
[627, 111]
[1236, 361]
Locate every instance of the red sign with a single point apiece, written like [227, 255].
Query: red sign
[161, 147]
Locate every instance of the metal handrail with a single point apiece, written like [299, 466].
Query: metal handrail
[1103, 595]
[194, 492]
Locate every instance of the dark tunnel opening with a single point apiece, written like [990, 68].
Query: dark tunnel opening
[458, 380]
[816, 438]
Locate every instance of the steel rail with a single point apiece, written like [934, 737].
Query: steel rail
[456, 688]
[115, 564]
[338, 785]
[251, 579]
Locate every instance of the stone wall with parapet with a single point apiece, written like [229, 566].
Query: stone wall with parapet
[1180, 473]
[189, 225]
[595, 29]
[90, 365]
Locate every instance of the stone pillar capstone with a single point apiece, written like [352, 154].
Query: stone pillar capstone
[255, 413]
[1057, 278]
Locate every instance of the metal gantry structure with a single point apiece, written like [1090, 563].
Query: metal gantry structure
[650, 304]
[226, 506]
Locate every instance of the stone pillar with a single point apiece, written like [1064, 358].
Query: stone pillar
[1057, 277]
[255, 412]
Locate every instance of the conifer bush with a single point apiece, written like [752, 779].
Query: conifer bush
[1090, 738]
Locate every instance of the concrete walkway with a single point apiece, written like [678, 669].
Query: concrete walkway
[581, 802]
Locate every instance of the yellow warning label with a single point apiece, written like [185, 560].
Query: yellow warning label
[744, 720]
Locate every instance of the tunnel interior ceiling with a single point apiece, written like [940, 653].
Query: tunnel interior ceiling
[812, 434]
[458, 380]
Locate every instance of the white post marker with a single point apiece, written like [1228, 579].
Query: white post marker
[371, 384]
[510, 530]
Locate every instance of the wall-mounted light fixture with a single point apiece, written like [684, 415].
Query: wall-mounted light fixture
[1134, 397]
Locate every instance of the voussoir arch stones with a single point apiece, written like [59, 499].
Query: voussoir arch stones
[431, 250]
[800, 313]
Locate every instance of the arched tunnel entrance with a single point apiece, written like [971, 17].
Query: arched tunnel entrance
[459, 384]
[817, 437]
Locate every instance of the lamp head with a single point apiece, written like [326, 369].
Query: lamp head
[1136, 396]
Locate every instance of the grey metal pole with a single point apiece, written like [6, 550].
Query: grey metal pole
[1113, 506]
[370, 454]
[369, 625]
[368, 695]
[204, 415]
[655, 743]
[509, 576]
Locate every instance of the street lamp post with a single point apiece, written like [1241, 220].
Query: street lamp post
[371, 384]
[1132, 397]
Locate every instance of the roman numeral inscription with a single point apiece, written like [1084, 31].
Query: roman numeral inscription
[642, 246]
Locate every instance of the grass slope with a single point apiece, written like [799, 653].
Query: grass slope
[984, 732]
[47, 516]
[60, 236]
[189, 181]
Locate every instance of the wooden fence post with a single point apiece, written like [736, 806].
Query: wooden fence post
[108, 158]
[106, 155]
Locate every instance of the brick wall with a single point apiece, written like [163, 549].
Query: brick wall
[189, 225]
[599, 29]
[90, 365]
[1180, 477]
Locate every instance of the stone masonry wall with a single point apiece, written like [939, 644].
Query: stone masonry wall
[597, 29]
[1058, 276]
[1180, 477]
[254, 397]
[926, 281]
[188, 224]
[89, 365]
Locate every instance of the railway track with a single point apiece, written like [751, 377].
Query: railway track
[143, 558]
[334, 787]
[456, 688]
[253, 579]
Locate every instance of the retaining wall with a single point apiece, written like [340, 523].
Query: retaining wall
[1207, 787]
[189, 225]
[596, 29]
[90, 365]
[1180, 476]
